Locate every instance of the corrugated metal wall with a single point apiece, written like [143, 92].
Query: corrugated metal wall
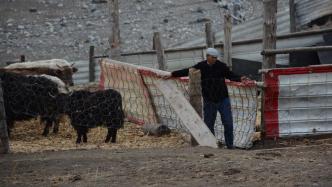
[181, 58]
[309, 10]
[306, 12]
[298, 101]
[82, 75]
[248, 51]
[305, 104]
[249, 30]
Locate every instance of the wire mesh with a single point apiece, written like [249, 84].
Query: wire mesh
[145, 104]
[244, 102]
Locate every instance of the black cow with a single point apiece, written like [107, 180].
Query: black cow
[91, 109]
[55, 67]
[26, 97]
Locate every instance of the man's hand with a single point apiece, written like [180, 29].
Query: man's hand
[245, 79]
[167, 76]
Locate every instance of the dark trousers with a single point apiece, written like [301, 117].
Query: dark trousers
[210, 114]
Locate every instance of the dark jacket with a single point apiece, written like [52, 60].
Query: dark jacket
[213, 77]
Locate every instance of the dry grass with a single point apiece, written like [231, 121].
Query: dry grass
[26, 137]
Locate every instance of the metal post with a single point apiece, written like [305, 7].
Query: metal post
[91, 64]
[22, 58]
[4, 139]
[292, 15]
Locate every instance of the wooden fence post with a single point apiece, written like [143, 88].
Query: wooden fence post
[195, 91]
[157, 45]
[115, 37]
[228, 39]
[92, 64]
[195, 95]
[4, 139]
[269, 32]
[269, 42]
[209, 35]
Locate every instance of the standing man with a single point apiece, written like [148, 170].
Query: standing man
[214, 91]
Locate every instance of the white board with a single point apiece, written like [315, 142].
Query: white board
[187, 114]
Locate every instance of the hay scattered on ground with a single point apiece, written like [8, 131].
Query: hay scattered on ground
[26, 137]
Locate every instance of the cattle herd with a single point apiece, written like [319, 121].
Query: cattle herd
[41, 89]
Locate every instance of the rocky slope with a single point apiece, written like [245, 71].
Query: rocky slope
[44, 29]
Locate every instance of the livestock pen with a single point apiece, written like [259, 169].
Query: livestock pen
[141, 160]
[145, 105]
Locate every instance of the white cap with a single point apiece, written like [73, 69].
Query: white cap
[212, 52]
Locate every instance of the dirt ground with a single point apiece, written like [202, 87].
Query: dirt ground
[140, 160]
[187, 166]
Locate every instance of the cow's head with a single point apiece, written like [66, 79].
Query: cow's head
[65, 73]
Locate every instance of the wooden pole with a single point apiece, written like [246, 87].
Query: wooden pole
[269, 32]
[195, 91]
[157, 45]
[115, 37]
[295, 49]
[92, 64]
[292, 16]
[4, 139]
[209, 35]
[195, 95]
[269, 42]
[228, 39]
